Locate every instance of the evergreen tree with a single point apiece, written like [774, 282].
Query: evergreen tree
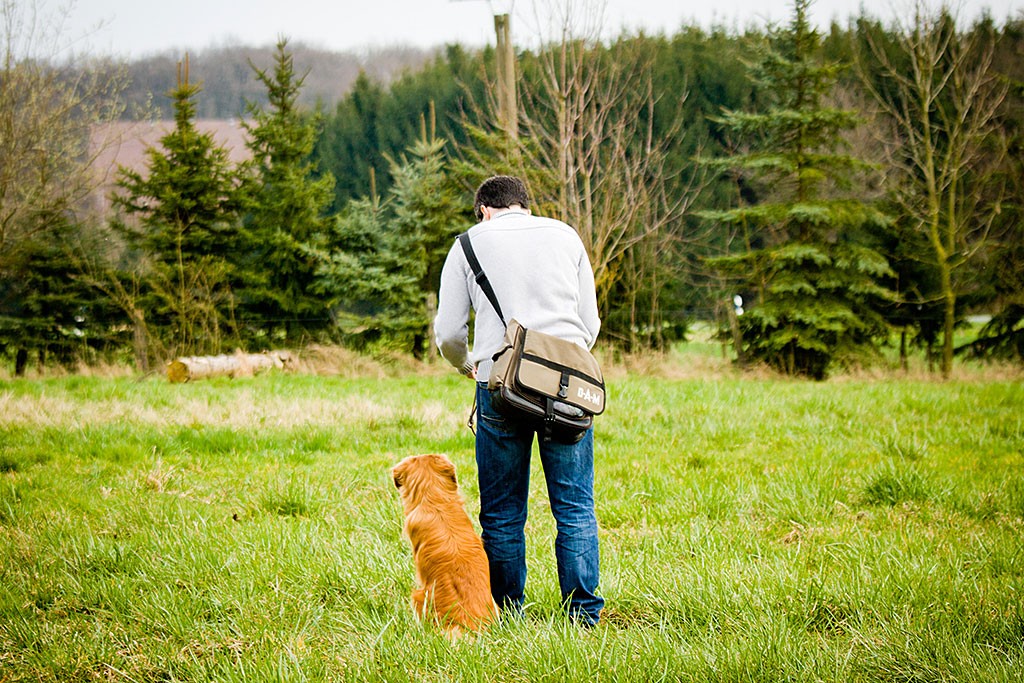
[286, 212]
[427, 217]
[381, 264]
[350, 146]
[371, 296]
[187, 209]
[374, 122]
[49, 315]
[813, 278]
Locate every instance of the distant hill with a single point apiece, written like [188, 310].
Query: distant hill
[228, 79]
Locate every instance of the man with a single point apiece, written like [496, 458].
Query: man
[542, 277]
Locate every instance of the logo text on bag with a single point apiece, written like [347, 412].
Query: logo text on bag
[587, 395]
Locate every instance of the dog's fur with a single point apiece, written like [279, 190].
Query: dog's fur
[452, 576]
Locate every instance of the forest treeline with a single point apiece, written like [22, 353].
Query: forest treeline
[226, 76]
[817, 195]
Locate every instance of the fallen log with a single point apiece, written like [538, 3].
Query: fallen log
[238, 364]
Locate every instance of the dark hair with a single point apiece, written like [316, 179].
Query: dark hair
[501, 192]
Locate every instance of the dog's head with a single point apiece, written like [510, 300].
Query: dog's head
[419, 471]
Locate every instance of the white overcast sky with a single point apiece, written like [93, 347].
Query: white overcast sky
[134, 28]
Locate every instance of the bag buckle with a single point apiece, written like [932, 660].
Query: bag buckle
[563, 385]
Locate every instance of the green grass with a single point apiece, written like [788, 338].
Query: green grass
[752, 530]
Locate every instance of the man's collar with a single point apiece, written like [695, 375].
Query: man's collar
[505, 212]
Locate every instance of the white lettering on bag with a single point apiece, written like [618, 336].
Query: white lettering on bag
[587, 395]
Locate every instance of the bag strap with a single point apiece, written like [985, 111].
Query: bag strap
[481, 276]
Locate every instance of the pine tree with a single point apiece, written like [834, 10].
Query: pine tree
[351, 146]
[813, 279]
[371, 295]
[46, 312]
[287, 210]
[381, 263]
[187, 208]
[427, 210]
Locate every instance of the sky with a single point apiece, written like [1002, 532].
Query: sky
[137, 28]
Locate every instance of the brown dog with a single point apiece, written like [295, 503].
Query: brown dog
[452, 576]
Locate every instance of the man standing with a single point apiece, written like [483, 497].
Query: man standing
[542, 277]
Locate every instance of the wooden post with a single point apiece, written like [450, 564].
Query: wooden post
[737, 335]
[507, 98]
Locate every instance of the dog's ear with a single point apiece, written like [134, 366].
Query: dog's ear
[446, 469]
[399, 477]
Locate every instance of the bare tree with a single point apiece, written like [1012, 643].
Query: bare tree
[124, 290]
[50, 100]
[588, 141]
[941, 96]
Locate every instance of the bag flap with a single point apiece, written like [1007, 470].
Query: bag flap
[540, 345]
[544, 358]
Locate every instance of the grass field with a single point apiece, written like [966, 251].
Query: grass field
[753, 529]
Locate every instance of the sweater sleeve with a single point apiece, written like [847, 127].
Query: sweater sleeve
[451, 326]
[588, 300]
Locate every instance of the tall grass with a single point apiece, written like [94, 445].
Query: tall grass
[754, 530]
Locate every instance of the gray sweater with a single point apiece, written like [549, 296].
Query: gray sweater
[541, 275]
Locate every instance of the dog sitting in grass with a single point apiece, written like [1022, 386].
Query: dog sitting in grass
[452, 578]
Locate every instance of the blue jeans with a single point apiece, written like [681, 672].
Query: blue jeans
[503, 450]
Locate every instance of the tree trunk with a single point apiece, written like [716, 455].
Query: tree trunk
[904, 363]
[20, 362]
[140, 340]
[949, 320]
